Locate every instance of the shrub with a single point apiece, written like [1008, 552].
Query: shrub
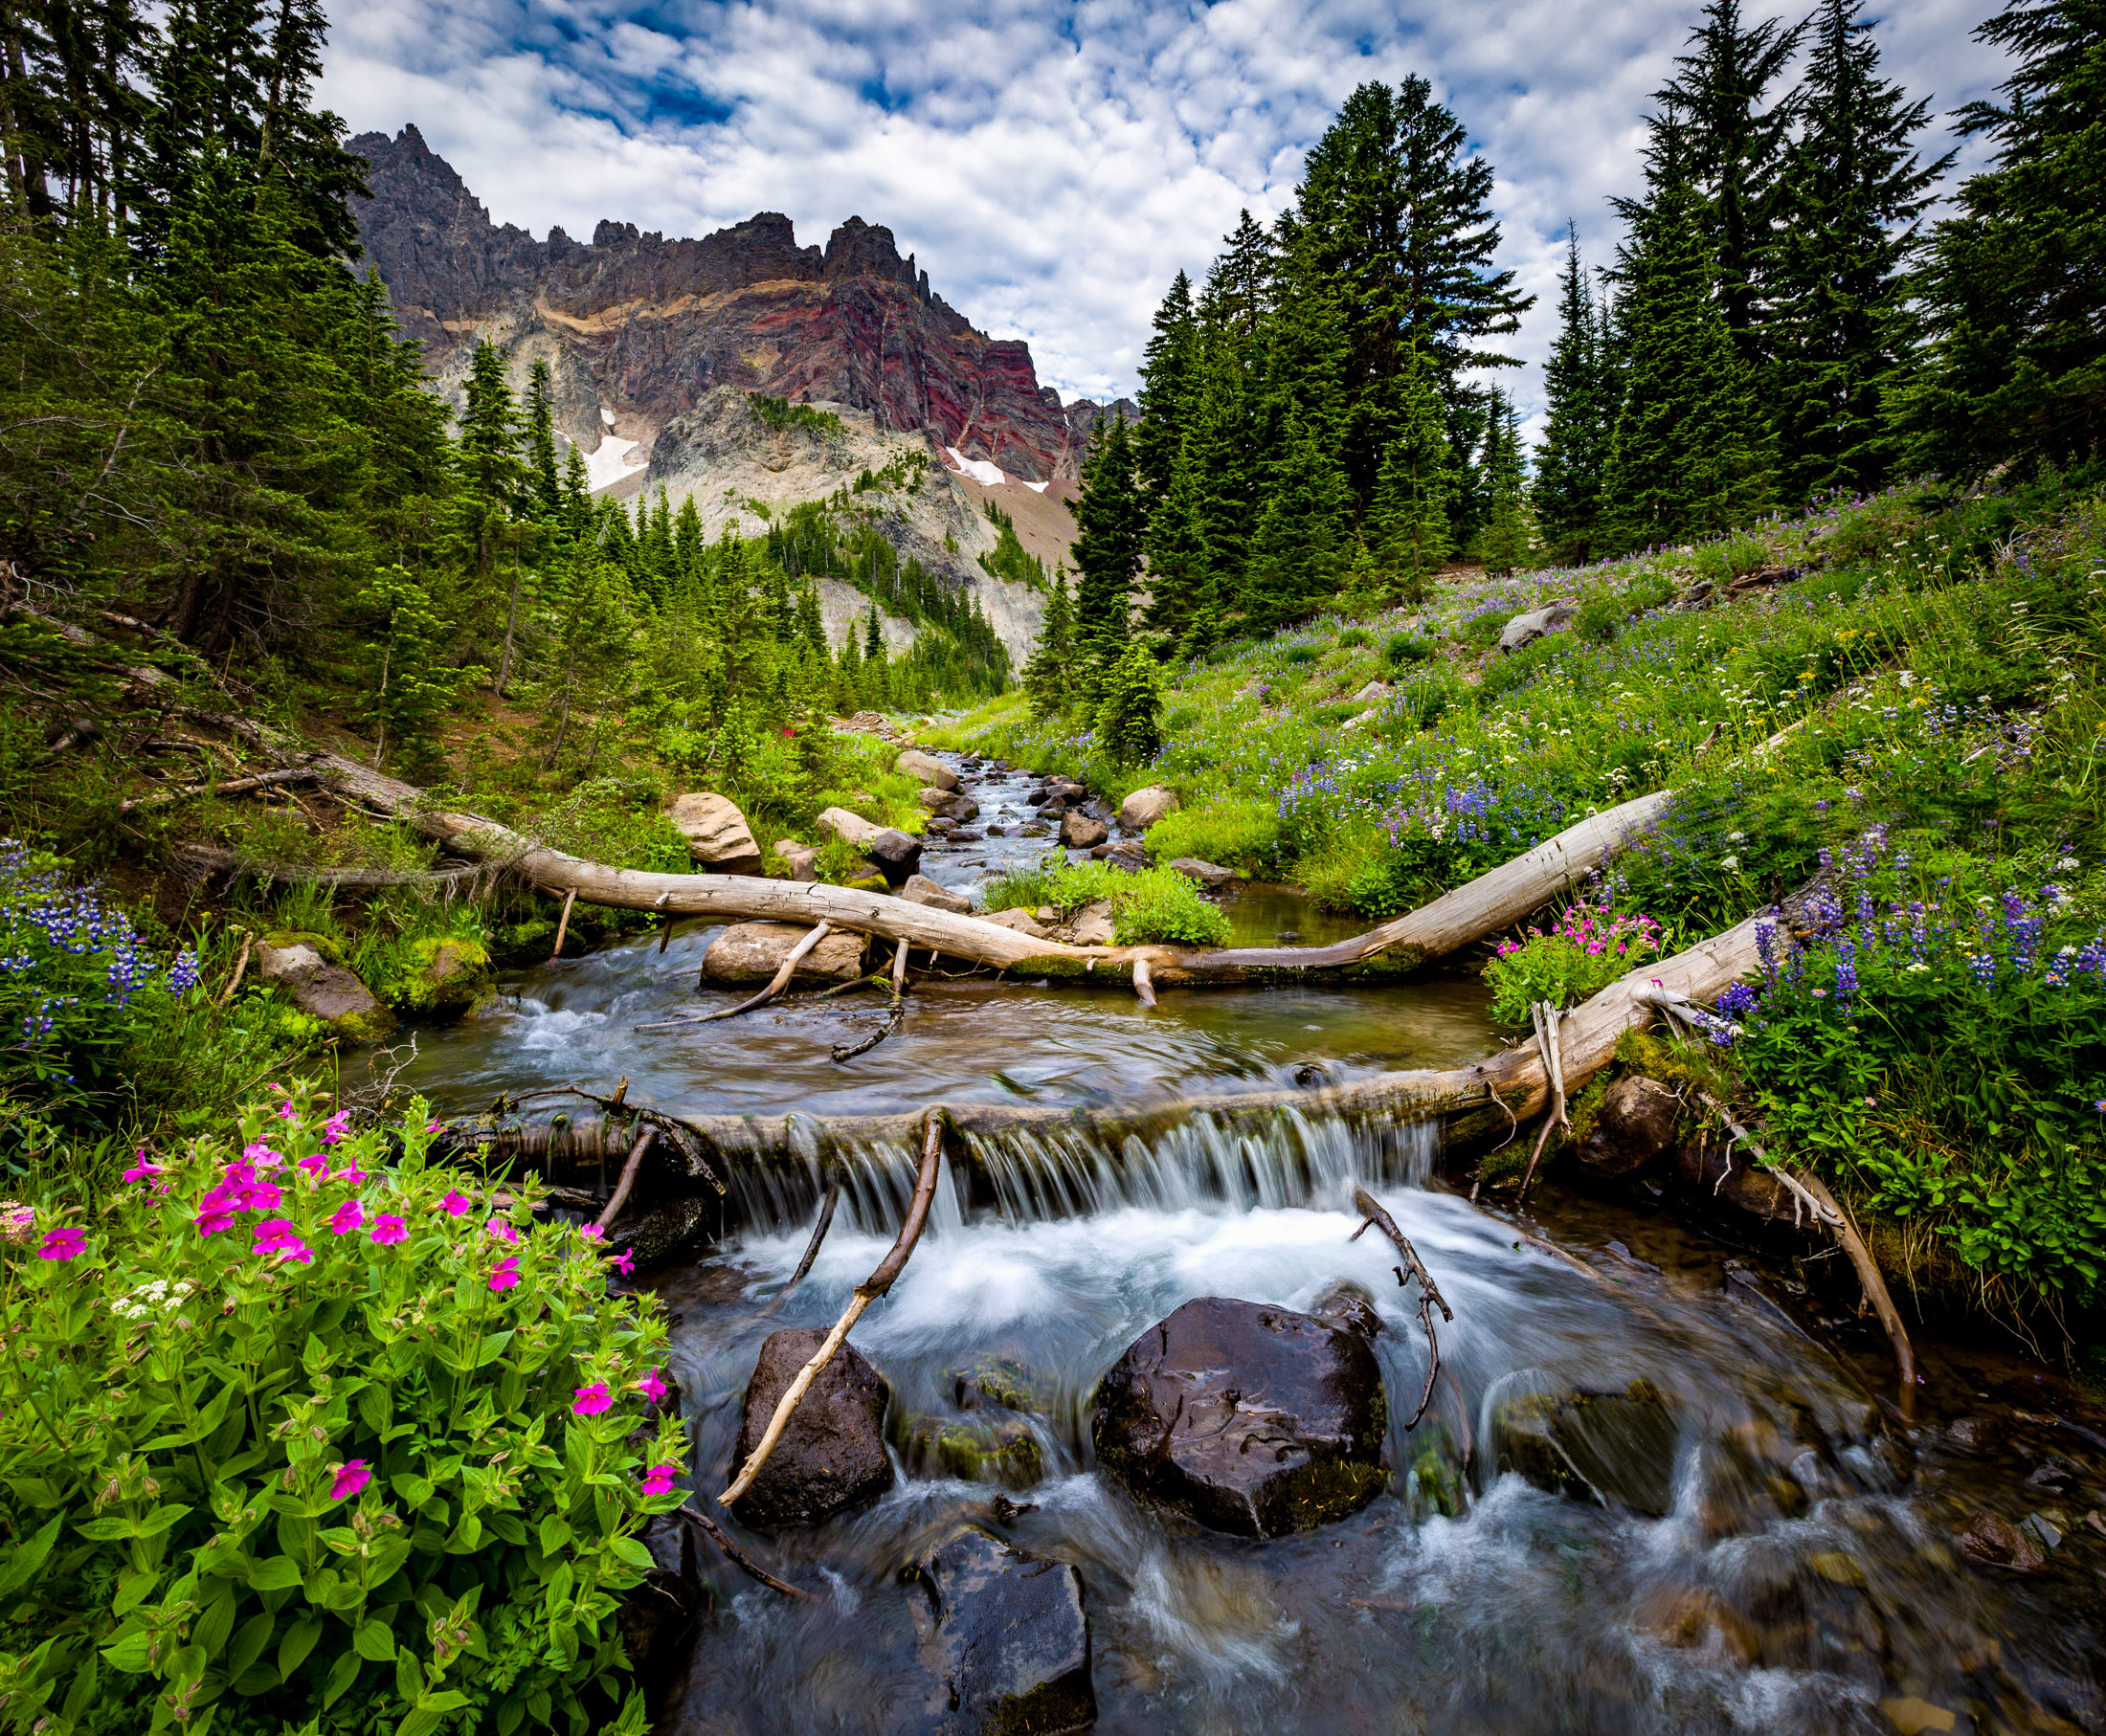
[1128, 716]
[1356, 636]
[1402, 649]
[1237, 833]
[1158, 904]
[1588, 949]
[317, 1440]
[1301, 654]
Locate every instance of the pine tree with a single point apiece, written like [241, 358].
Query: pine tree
[1166, 391]
[1408, 523]
[1691, 453]
[873, 636]
[1302, 552]
[544, 481]
[1049, 675]
[2012, 290]
[1129, 719]
[1106, 551]
[1575, 433]
[1508, 539]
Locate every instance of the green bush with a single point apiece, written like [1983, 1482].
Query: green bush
[1158, 904]
[1356, 636]
[1587, 952]
[1234, 832]
[309, 1439]
[1402, 649]
[1128, 716]
[1301, 654]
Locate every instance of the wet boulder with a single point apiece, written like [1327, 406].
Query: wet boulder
[1254, 1420]
[1145, 807]
[449, 977]
[803, 859]
[1210, 875]
[1005, 1636]
[1349, 1306]
[1527, 629]
[299, 965]
[1078, 832]
[926, 768]
[998, 1450]
[920, 889]
[753, 952]
[832, 1455]
[1997, 1543]
[948, 806]
[1614, 1448]
[1633, 1127]
[717, 834]
[896, 854]
[1717, 1172]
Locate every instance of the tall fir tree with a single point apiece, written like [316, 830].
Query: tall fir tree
[1690, 454]
[1049, 675]
[1508, 541]
[1854, 188]
[1166, 390]
[1407, 528]
[1302, 552]
[2011, 290]
[1578, 383]
[1109, 519]
[544, 480]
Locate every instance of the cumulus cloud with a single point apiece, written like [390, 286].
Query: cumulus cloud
[1052, 163]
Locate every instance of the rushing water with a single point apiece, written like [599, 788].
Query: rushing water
[1805, 1577]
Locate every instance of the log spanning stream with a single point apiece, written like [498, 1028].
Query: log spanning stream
[1757, 1541]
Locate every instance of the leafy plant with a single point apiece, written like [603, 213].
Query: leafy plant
[1586, 951]
[310, 1436]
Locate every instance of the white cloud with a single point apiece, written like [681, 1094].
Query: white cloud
[1052, 163]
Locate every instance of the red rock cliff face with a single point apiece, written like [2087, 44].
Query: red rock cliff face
[645, 326]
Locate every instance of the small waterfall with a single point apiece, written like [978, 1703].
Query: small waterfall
[1025, 1177]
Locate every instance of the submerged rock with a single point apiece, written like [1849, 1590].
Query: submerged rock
[1253, 1419]
[973, 1450]
[832, 1456]
[1614, 1448]
[299, 967]
[717, 834]
[1633, 1127]
[1717, 1172]
[753, 952]
[1349, 1306]
[1998, 1542]
[1006, 1637]
[656, 1616]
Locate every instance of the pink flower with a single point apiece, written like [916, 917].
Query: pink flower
[211, 1223]
[260, 1196]
[590, 1231]
[592, 1400]
[274, 1233]
[294, 1252]
[350, 1172]
[454, 1204]
[142, 1169]
[624, 1263]
[286, 1112]
[659, 1479]
[502, 1228]
[506, 1274]
[65, 1242]
[350, 1478]
[651, 1387]
[346, 1217]
[316, 1166]
[332, 1130]
[433, 1126]
[388, 1228]
[255, 1151]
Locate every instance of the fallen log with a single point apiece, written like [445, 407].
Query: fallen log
[201, 859]
[182, 792]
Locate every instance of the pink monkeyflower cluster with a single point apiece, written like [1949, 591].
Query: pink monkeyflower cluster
[1597, 932]
[659, 1479]
[241, 1190]
[334, 1129]
[277, 1235]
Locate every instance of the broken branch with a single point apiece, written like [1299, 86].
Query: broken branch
[776, 984]
[739, 1558]
[810, 1248]
[1429, 1295]
[634, 1163]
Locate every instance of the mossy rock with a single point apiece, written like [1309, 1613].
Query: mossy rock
[330, 949]
[1433, 1483]
[999, 1381]
[1006, 1452]
[1617, 1449]
[442, 977]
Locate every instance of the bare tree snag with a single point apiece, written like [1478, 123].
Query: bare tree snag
[868, 1292]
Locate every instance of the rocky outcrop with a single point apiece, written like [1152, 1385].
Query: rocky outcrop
[717, 834]
[753, 952]
[1252, 1419]
[926, 768]
[1527, 629]
[1005, 1636]
[1633, 1127]
[646, 326]
[831, 1455]
[299, 967]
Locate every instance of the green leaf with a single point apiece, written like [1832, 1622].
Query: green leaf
[299, 1641]
[555, 1534]
[373, 1641]
[632, 1550]
[341, 1678]
[508, 1527]
[421, 1722]
[376, 1406]
[36, 1491]
[22, 1560]
[108, 1530]
[414, 1489]
[259, 1680]
[128, 1651]
[493, 1347]
[132, 1590]
[446, 1699]
[274, 1573]
[81, 1695]
[210, 1634]
[161, 1519]
[408, 1677]
[249, 1644]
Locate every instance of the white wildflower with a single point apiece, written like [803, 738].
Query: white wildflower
[2067, 863]
[1728, 863]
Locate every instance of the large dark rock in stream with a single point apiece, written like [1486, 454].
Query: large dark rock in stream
[1004, 1633]
[832, 1456]
[1252, 1419]
[1615, 1448]
[1633, 1127]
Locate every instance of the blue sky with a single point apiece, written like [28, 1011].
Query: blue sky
[1052, 165]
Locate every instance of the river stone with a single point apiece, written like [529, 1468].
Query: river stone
[1998, 1542]
[753, 952]
[1633, 1127]
[717, 834]
[1253, 1419]
[849, 828]
[455, 975]
[832, 1455]
[1716, 1172]
[1078, 831]
[1527, 629]
[803, 859]
[1022, 920]
[897, 854]
[1093, 926]
[1145, 807]
[1614, 1448]
[1210, 875]
[1349, 1306]
[920, 889]
[926, 768]
[1005, 1635]
[296, 963]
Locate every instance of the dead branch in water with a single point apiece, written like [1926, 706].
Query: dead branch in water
[776, 984]
[1429, 1296]
[739, 1558]
[634, 1162]
[810, 1248]
[868, 1292]
[893, 1014]
[1547, 1020]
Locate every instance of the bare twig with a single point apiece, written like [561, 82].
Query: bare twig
[776, 984]
[241, 964]
[739, 1558]
[628, 1181]
[810, 1248]
[563, 924]
[868, 1292]
[1143, 984]
[1547, 1018]
[892, 1016]
[1429, 1296]
[684, 1138]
